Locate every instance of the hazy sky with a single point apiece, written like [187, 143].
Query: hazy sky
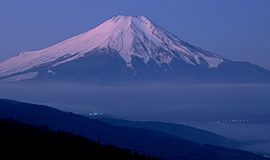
[236, 29]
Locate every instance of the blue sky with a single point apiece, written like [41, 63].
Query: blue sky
[235, 29]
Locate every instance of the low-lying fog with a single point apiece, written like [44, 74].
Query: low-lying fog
[221, 107]
[163, 102]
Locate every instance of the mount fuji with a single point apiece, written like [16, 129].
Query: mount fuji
[128, 49]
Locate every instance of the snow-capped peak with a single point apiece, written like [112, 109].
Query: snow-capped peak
[127, 35]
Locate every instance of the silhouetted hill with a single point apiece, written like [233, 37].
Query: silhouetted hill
[26, 138]
[178, 130]
[143, 141]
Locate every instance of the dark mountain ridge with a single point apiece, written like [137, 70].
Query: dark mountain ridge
[143, 141]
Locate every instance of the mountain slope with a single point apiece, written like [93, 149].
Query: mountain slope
[181, 131]
[18, 137]
[133, 48]
[140, 140]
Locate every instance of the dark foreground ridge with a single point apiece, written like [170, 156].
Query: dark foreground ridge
[143, 141]
[30, 140]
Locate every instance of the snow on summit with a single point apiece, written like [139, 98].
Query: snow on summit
[129, 36]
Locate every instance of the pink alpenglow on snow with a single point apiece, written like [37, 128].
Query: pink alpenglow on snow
[127, 35]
